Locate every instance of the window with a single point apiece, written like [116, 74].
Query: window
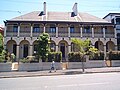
[118, 21]
[52, 29]
[15, 28]
[87, 29]
[106, 29]
[36, 28]
[72, 29]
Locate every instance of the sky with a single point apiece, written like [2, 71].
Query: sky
[13, 8]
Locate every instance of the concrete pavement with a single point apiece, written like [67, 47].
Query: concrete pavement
[15, 74]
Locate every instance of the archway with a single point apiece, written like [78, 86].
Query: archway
[63, 47]
[35, 47]
[11, 46]
[99, 45]
[52, 46]
[24, 48]
[110, 46]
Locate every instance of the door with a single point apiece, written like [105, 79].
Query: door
[62, 49]
[14, 49]
[25, 50]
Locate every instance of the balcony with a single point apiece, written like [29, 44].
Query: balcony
[11, 34]
[98, 34]
[62, 34]
[75, 35]
[87, 35]
[24, 34]
[109, 35]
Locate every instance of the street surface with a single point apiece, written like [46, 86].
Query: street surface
[95, 81]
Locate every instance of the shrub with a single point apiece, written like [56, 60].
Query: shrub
[54, 56]
[113, 55]
[74, 57]
[1, 59]
[24, 60]
[98, 56]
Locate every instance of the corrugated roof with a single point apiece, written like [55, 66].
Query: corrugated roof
[58, 16]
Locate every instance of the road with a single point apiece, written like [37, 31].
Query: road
[96, 81]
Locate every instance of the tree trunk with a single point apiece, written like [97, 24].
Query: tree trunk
[83, 66]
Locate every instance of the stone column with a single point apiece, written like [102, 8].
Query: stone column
[31, 50]
[68, 31]
[104, 32]
[56, 48]
[17, 55]
[18, 30]
[69, 48]
[92, 32]
[81, 31]
[31, 30]
[115, 33]
[56, 30]
[44, 29]
[104, 51]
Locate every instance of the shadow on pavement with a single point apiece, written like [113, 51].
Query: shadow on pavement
[73, 72]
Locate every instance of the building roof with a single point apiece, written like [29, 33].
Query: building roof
[111, 14]
[59, 16]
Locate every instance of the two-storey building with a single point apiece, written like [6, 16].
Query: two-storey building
[115, 19]
[21, 32]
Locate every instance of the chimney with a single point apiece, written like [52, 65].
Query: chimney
[75, 11]
[44, 9]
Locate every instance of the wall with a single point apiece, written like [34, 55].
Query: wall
[115, 63]
[37, 66]
[88, 64]
[5, 67]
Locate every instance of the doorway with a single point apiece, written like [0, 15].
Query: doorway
[25, 50]
[62, 49]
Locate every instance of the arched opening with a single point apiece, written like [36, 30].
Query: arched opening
[99, 45]
[63, 47]
[11, 46]
[110, 46]
[35, 47]
[52, 46]
[24, 48]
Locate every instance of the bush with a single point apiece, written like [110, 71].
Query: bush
[1, 59]
[54, 56]
[113, 55]
[24, 60]
[74, 57]
[98, 56]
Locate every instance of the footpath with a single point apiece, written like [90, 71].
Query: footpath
[16, 74]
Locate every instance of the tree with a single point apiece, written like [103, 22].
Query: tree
[1, 43]
[43, 46]
[85, 48]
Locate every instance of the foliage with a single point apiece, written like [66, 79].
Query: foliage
[12, 57]
[43, 46]
[113, 55]
[7, 56]
[24, 60]
[75, 57]
[98, 56]
[54, 56]
[1, 43]
[2, 56]
[84, 47]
